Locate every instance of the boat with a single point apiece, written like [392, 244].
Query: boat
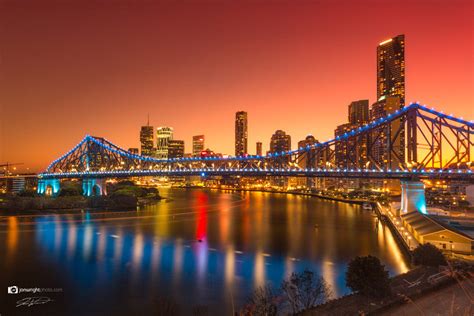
[367, 206]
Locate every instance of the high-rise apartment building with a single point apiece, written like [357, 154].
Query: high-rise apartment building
[307, 160]
[198, 145]
[147, 140]
[391, 68]
[280, 141]
[380, 149]
[391, 77]
[259, 149]
[175, 148]
[133, 151]
[163, 136]
[343, 154]
[358, 112]
[241, 133]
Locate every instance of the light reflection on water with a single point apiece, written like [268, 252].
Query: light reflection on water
[197, 248]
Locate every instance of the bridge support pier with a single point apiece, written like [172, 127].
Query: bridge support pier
[413, 196]
[94, 187]
[48, 187]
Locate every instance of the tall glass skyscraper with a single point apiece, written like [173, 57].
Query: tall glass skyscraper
[241, 133]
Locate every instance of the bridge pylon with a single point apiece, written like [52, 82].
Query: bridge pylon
[413, 197]
[48, 187]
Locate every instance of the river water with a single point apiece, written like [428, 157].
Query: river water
[195, 250]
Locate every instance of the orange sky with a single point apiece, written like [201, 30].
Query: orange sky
[99, 67]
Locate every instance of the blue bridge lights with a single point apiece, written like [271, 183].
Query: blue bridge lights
[121, 163]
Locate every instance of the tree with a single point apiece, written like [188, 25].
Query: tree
[263, 302]
[305, 290]
[165, 306]
[368, 276]
[28, 193]
[70, 189]
[428, 255]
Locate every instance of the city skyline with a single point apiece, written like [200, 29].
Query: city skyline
[297, 109]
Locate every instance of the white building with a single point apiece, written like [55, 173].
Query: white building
[164, 135]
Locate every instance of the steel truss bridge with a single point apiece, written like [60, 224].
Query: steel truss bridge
[415, 142]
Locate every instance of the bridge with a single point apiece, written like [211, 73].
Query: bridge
[411, 144]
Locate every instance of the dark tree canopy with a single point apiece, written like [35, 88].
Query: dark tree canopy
[305, 290]
[428, 255]
[368, 276]
[263, 302]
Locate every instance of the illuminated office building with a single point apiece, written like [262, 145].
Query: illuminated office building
[358, 112]
[133, 151]
[343, 154]
[391, 77]
[380, 152]
[175, 148]
[241, 133]
[259, 149]
[391, 68]
[147, 140]
[198, 145]
[307, 159]
[163, 136]
[280, 141]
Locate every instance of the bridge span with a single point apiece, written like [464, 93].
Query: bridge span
[437, 146]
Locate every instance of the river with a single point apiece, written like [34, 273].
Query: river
[200, 249]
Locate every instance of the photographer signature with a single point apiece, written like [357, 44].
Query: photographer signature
[30, 301]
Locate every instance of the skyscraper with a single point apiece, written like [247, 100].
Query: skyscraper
[343, 155]
[163, 135]
[380, 149]
[259, 149]
[391, 82]
[307, 159]
[198, 145]
[358, 112]
[147, 140]
[176, 148]
[241, 133]
[280, 141]
[391, 68]
[133, 151]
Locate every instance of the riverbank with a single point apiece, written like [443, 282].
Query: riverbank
[325, 197]
[124, 195]
[11, 204]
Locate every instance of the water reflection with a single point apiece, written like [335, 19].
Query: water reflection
[206, 248]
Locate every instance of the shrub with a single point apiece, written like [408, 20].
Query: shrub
[28, 193]
[368, 276]
[428, 255]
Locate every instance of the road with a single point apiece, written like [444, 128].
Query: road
[456, 299]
